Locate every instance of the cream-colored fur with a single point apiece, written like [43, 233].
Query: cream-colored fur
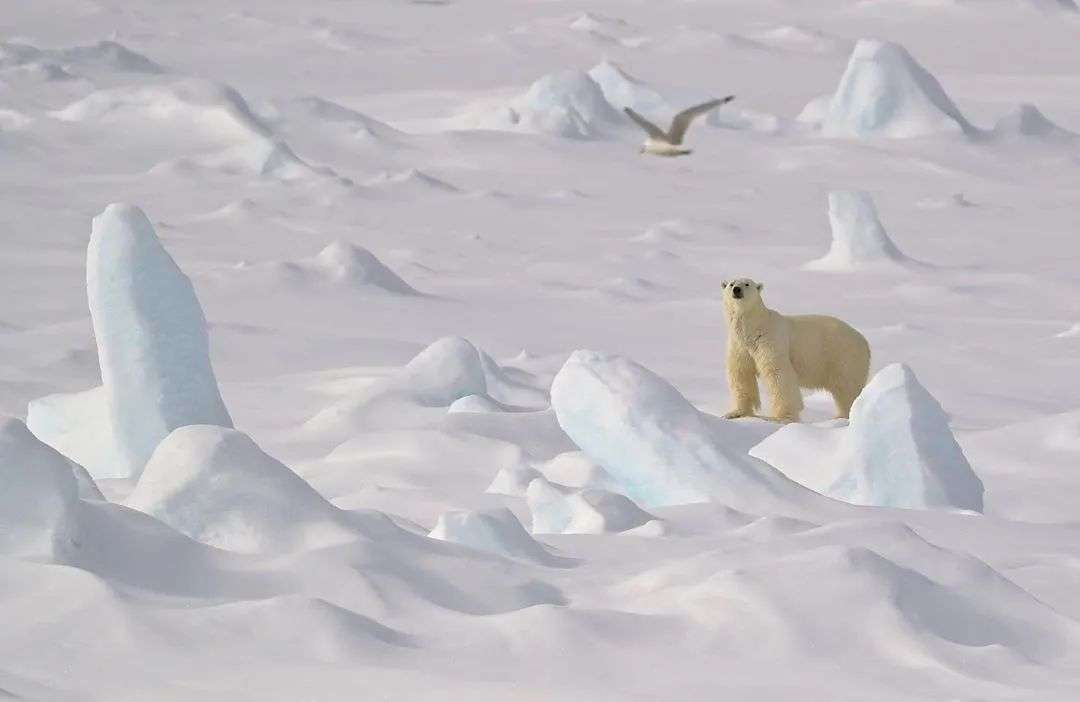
[788, 353]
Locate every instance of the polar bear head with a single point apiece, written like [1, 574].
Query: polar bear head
[742, 294]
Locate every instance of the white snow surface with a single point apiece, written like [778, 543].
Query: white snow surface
[255, 134]
[496, 531]
[589, 511]
[897, 450]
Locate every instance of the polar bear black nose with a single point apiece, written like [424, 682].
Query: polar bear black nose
[736, 292]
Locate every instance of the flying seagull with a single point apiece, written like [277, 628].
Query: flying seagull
[669, 143]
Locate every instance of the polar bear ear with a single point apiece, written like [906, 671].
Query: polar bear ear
[723, 284]
[760, 286]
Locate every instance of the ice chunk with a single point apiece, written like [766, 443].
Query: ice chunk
[78, 426]
[38, 492]
[858, 238]
[576, 469]
[446, 371]
[557, 510]
[496, 531]
[885, 92]
[217, 486]
[897, 450]
[151, 337]
[651, 440]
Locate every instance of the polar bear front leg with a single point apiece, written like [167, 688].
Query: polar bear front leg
[742, 382]
[782, 385]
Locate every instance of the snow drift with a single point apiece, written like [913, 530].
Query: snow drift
[339, 264]
[886, 93]
[859, 240]
[217, 486]
[897, 451]
[558, 510]
[651, 440]
[495, 531]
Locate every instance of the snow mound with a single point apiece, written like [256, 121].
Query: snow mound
[610, 30]
[39, 492]
[446, 371]
[567, 104]
[744, 120]
[210, 108]
[651, 440]
[859, 240]
[317, 108]
[109, 55]
[262, 157]
[513, 479]
[1027, 121]
[577, 470]
[799, 39]
[338, 264]
[886, 93]
[481, 404]
[151, 338]
[897, 451]
[620, 90]
[217, 486]
[495, 531]
[815, 111]
[591, 511]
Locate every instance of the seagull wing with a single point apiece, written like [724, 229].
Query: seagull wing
[682, 121]
[651, 129]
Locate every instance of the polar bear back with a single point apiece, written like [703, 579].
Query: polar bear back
[825, 348]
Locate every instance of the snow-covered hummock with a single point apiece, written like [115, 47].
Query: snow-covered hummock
[513, 479]
[475, 404]
[858, 239]
[1026, 120]
[217, 486]
[651, 440]
[558, 510]
[897, 450]
[567, 104]
[495, 531]
[78, 425]
[37, 492]
[886, 93]
[621, 90]
[151, 337]
[340, 264]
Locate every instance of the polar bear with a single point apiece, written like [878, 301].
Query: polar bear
[801, 351]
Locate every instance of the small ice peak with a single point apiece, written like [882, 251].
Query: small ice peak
[858, 238]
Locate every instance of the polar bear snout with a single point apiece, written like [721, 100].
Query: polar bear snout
[736, 292]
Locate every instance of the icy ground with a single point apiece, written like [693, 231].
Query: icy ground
[402, 218]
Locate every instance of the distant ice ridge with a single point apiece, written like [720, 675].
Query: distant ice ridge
[858, 239]
[897, 451]
[153, 349]
[1026, 121]
[558, 510]
[885, 92]
[217, 486]
[652, 441]
[495, 531]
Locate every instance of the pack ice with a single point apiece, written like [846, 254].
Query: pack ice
[655, 444]
[897, 451]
